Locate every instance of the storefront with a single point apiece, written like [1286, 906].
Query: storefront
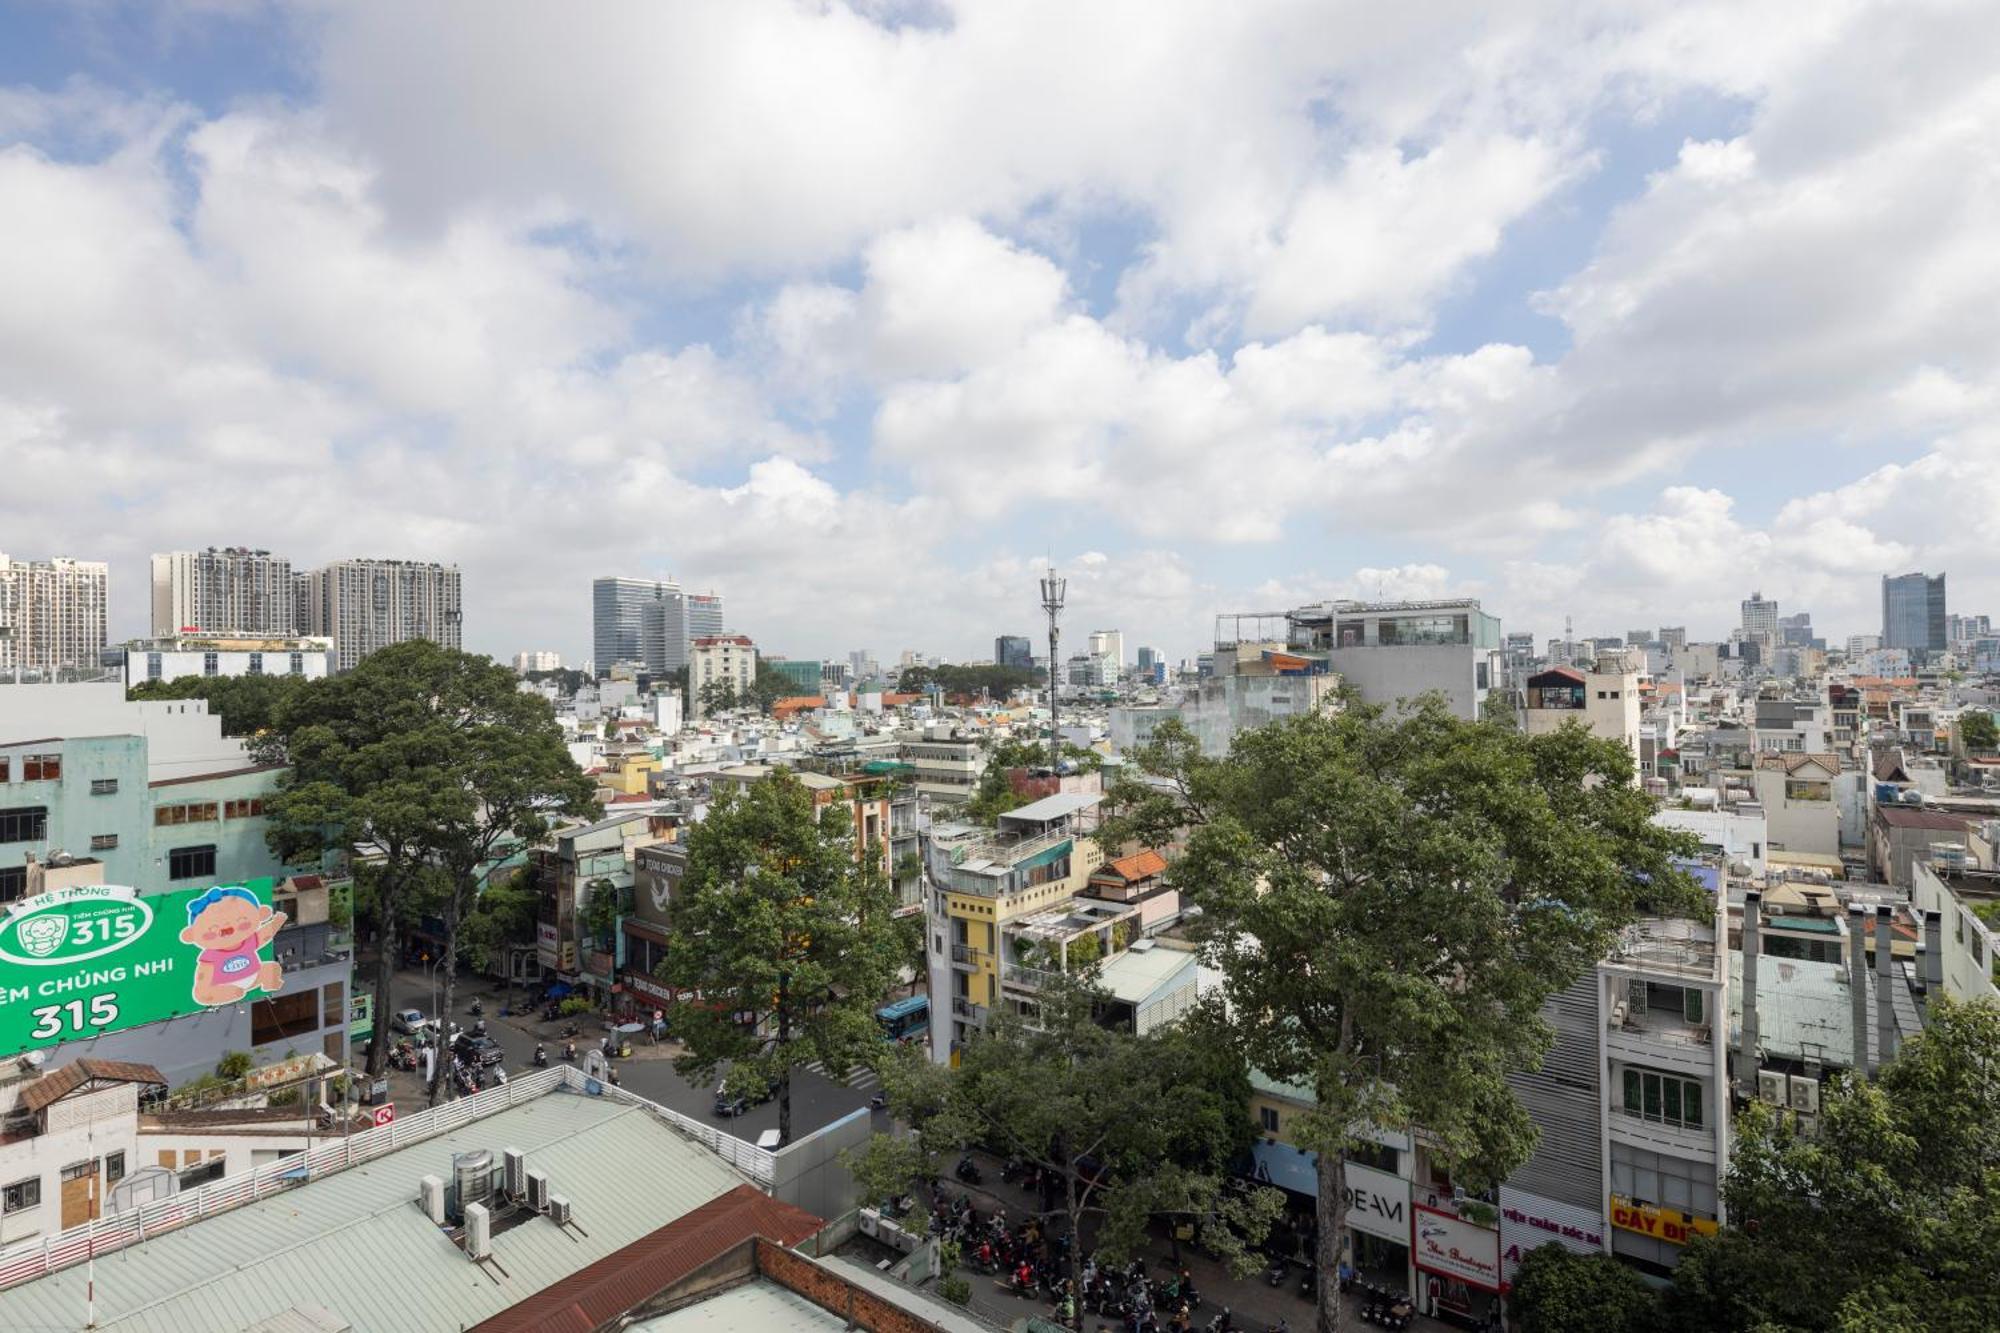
[1459, 1265]
[1529, 1221]
[1378, 1226]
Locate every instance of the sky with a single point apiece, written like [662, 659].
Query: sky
[860, 313]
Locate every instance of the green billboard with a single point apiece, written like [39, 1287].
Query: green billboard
[79, 962]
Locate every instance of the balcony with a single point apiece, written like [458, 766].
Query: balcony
[965, 955]
[1029, 978]
[967, 1010]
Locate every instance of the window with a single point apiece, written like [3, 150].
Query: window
[6, 765]
[114, 1168]
[24, 823]
[283, 1017]
[153, 665]
[1268, 1117]
[210, 664]
[199, 1174]
[334, 1011]
[13, 882]
[1691, 1005]
[298, 664]
[104, 786]
[78, 1170]
[41, 768]
[191, 862]
[21, 1194]
[256, 664]
[244, 809]
[1663, 1098]
[190, 812]
[103, 842]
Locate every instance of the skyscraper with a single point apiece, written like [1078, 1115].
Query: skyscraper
[363, 605]
[1013, 650]
[1108, 647]
[231, 590]
[636, 620]
[1913, 614]
[52, 614]
[1760, 618]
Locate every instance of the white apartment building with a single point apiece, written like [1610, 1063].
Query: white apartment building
[731, 658]
[948, 765]
[52, 614]
[231, 590]
[363, 605]
[1398, 650]
[1605, 699]
[1108, 647]
[540, 659]
[175, 656]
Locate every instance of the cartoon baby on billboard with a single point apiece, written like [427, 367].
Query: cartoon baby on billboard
[230, 928]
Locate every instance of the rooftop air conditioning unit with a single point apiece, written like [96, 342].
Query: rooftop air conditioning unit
[538, 1190]
[1771, 1086]
[430, 1193]
[559, 1210]
[1805, 1094]
[478, 1232]
[514, 1179]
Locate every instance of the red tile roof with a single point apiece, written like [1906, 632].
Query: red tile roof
[1137, 866]
[1909, 817]
[596, 1296]
[55, 1086]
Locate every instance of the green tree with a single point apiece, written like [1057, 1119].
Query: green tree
[995, 794]
[770, 686]
[1886, 1217]
[1133, 1127]
[1391, 898]
[423, 762]
[599, 916]
[776, 918]
[247, 705]
[503, 919]
[717, 696]
[1978, 730]
[1559, 1291]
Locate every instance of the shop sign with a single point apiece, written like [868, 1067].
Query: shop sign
[1667, 1224]
[78, 962]
[646, 986]
[1378, 1203]
[546, 940]
[1528, 1221]
[1449, 1245]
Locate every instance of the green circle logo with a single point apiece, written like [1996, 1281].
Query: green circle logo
[73, 925]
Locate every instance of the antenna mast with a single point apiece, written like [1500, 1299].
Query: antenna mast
[1053, 590]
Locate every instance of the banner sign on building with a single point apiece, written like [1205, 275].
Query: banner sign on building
[1667, 1224]
[1529, 1221]
[1378, 1203]
[82, 961]
[1447, 1244]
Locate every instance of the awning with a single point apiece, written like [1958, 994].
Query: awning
[1291, 1169]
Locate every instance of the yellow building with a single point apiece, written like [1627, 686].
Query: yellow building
[1004, 907]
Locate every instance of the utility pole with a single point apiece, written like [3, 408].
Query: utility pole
[1053, 589]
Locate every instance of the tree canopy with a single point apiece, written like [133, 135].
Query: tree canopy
[776, 918]
[1978, 730]
[247, 705]
[995, 794]
[1886, 1217]
[969, 678]
[1558, 1291]
[1391, 897]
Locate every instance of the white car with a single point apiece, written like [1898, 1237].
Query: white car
[410, 1022]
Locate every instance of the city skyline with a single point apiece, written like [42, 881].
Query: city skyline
[1444, 337]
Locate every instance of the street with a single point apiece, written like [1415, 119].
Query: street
[817, 1101]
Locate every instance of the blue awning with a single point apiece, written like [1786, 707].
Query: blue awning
[1288, 1168]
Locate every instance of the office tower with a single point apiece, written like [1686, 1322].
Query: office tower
[1147, 657]
[52, 614]
[1913, 614]
[1108, 647]
[1012, 650]
[1638, 638]
[1760, 617]
[1796, 631]
[704, 619]
[1857, 644]
[229, 590]
[1673, 637]
[363, 605]
[635, 620]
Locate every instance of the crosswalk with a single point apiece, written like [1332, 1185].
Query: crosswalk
[860, 1079]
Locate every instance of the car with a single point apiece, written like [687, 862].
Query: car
[478, 1050]
[410, 1022]
[730, 1103]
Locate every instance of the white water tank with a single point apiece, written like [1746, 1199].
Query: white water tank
[472, 1176]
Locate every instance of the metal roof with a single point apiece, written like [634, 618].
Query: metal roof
[1054, 807]
[1136, 975]
[755, 1307]
[356, 1244]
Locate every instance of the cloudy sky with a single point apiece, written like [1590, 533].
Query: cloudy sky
[859, 312]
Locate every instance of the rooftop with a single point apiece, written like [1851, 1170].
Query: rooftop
[1062, 804]
[1135, 975]
[622, 1170]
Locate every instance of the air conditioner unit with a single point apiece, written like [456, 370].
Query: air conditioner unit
[538, 1190]
[1805, 1094]
[559, 1210]
[478, 1231]
[1771, 1087]
[430, 1194]
[514, 1178]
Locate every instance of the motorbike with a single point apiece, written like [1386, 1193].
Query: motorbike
[611, 1074]
[878, 1101]
[967, 1171]
[1222, 1323]
[478, 1007]
[569, 1052]
[1374, 1304]
[479, 1027]
[541, 1056]
[571, 1030]
[1309, 1284]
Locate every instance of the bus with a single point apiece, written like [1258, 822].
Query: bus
[905, 1020]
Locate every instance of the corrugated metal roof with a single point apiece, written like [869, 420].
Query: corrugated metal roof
[356, 1243]
[1054, 807]
[754, 1307]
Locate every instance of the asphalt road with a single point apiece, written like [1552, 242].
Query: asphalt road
[817, 1101]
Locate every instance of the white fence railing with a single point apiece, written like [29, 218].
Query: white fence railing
[30, 1259]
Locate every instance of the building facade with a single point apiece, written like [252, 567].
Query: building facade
[1013, 650]
[365, 605]
[52, 615]
[540, 659]
[1913, 614]
[636, 620]
[729, 659]
[230, 590]
[176, 656]
[1390, 651]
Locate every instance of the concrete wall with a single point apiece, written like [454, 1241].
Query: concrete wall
[92, 1127]
[809, 1174]
[1403, 671]
[75, 814]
